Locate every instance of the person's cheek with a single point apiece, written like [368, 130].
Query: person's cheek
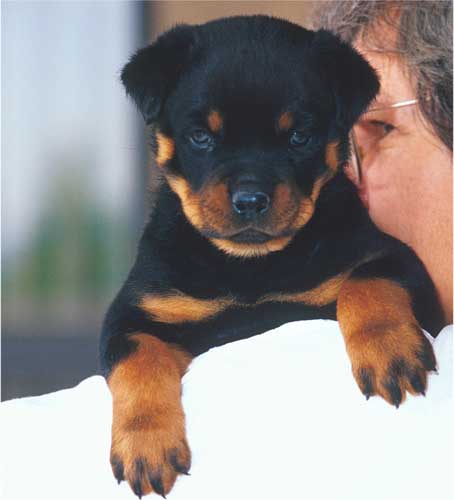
[376, 192]
[353, 177]
[389, 203]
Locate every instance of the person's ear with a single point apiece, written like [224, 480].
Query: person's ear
[353, 81]
[153, 71]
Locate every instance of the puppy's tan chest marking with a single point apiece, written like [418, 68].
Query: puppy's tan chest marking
[324, 294]
[177, 307]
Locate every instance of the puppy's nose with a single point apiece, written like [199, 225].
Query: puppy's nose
[250, 203]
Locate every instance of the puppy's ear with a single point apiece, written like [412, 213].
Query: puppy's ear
[353, 81]
[153, 71]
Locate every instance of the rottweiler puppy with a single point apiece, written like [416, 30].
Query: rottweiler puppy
[255, 225]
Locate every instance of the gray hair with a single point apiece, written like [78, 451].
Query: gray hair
[424, 43]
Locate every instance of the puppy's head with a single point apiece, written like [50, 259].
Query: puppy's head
[249, 118]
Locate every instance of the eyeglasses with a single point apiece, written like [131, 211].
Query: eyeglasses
[362, 141]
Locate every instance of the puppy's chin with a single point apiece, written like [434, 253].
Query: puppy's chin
[251, 236]
[251, 244]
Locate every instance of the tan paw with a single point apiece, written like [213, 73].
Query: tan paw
[149, 452]
[389, 359]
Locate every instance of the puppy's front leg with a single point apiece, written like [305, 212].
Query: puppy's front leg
[376, 311]
[149, 447]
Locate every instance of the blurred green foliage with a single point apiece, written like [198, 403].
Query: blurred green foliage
[78, 250]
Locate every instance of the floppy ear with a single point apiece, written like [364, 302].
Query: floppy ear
[353, 81]
[153, 71]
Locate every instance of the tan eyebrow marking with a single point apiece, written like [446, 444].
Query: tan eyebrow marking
[215, 121]
[285, 121]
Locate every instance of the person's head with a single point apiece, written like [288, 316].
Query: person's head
[417, 33]
[406, 151]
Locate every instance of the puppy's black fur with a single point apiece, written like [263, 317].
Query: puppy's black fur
[255, 223]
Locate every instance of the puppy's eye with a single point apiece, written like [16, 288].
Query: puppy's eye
[299, 139]
[201, 139]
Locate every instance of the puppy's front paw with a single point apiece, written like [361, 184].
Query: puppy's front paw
[389, 358]
[149, 451]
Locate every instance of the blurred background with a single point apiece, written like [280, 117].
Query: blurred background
[75, 173]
